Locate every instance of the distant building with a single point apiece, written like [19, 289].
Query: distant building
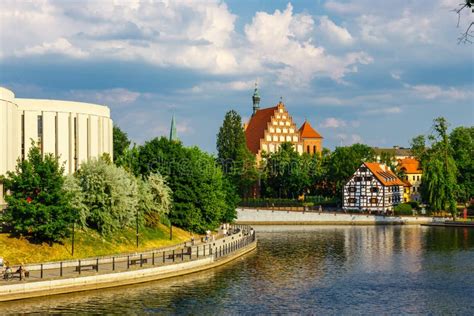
[268, 128]
[413, 174]
[396, 151]
[373, 187]
[72, 131]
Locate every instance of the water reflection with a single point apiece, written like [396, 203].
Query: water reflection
[310, 270]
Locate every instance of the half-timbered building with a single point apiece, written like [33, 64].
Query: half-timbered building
[374, 188]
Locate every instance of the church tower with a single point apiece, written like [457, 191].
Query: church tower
[256, 100]
[173, 133]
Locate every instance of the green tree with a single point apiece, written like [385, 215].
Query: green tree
[197, 183]
[287, 174]
[121, 142]
[342, 164]
[155, 198]
[462, 142]
[110, 194]
[38, 207]
[439, 170]
[238, 163]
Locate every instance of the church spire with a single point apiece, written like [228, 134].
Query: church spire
[256, 99]
[173, 134]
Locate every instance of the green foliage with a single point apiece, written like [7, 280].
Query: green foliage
[38, 207]
[75, 197]
[438, 185]
[238, 163]
[199, 195]
[155, 199]
[121, 142]
[110, 194]
[462, 142]
[403, 209]
[129, 160]
[342, 163]
[287, 174]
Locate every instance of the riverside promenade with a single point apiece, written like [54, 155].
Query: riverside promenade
[263, 216]
[102, 272]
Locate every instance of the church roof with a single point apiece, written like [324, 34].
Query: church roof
[384, 174]
[409, 165]
[256, 127]
[306, 131]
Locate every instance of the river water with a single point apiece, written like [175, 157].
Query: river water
[306, 270]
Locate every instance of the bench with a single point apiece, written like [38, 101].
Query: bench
[11, 275]
[138, 261]
[85, 267]
[178, 254]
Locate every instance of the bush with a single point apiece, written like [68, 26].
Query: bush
[403, 209]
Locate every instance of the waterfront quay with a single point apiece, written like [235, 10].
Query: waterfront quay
[103, 272]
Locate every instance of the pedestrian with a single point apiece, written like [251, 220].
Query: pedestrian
[192, 240]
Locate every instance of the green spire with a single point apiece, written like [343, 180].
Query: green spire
[256, 99]
[173, 134]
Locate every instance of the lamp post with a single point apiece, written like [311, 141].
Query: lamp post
[137, 226]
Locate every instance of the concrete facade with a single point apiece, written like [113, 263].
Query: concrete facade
[72, 131]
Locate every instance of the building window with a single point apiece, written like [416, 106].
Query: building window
[363, 169]
[374, 200]
[23, 137]
[374, 189]
[76, 158]
[368, 178]
[418, 178]
[307, 149]
[358, 179]
[314, 148]
[40, 133]
[352, 200]
[352, 189]
[56, 146]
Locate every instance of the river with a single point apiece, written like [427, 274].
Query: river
[306, 270]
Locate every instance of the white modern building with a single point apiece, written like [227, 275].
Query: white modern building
[72, 131]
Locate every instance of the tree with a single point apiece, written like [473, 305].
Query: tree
[237, 162]
[121, 142]
[155, 198]
[418, 147]
[342, 164]
[110, 194]
[287, 174]
[462, 142]
[37, 204]
[199, 197]
[466, 36]
[438, 185]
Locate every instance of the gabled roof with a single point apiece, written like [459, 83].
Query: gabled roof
[384, 174]
[396, 151]
[306, 131]
[256, 128]
[409, 165]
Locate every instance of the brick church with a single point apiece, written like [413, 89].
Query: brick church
[269, 127]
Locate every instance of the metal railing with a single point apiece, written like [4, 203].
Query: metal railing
[241, 236]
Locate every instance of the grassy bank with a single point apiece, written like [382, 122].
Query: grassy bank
[88, 243]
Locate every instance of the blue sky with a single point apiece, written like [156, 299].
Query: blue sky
[365, 71]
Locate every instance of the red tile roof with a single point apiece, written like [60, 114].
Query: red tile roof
[306, 131]
[409, 165]
[384, 175]
[256, 128]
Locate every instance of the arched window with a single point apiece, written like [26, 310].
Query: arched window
[314, 149]
[307, 149]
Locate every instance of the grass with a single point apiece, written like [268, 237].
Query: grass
[88, 243]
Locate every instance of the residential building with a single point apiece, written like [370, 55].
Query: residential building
[373, 187]
[268, 128]
[413, 174]
[72, 131]
[396, 151]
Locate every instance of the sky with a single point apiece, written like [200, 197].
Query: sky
[375, 72]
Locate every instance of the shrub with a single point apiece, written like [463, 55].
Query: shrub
[403, 209]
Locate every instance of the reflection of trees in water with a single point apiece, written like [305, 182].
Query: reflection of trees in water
[448, 239]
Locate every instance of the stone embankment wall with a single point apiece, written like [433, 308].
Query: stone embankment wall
[224, 249]
[273, 217]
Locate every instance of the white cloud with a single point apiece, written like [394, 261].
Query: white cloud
[60, 46]
[388, 110]
[348, 139]
[396, 74]
[434, 92]
[335, 32]
[195, 35]
[332, 122]
[216, 86]
[111, 97]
